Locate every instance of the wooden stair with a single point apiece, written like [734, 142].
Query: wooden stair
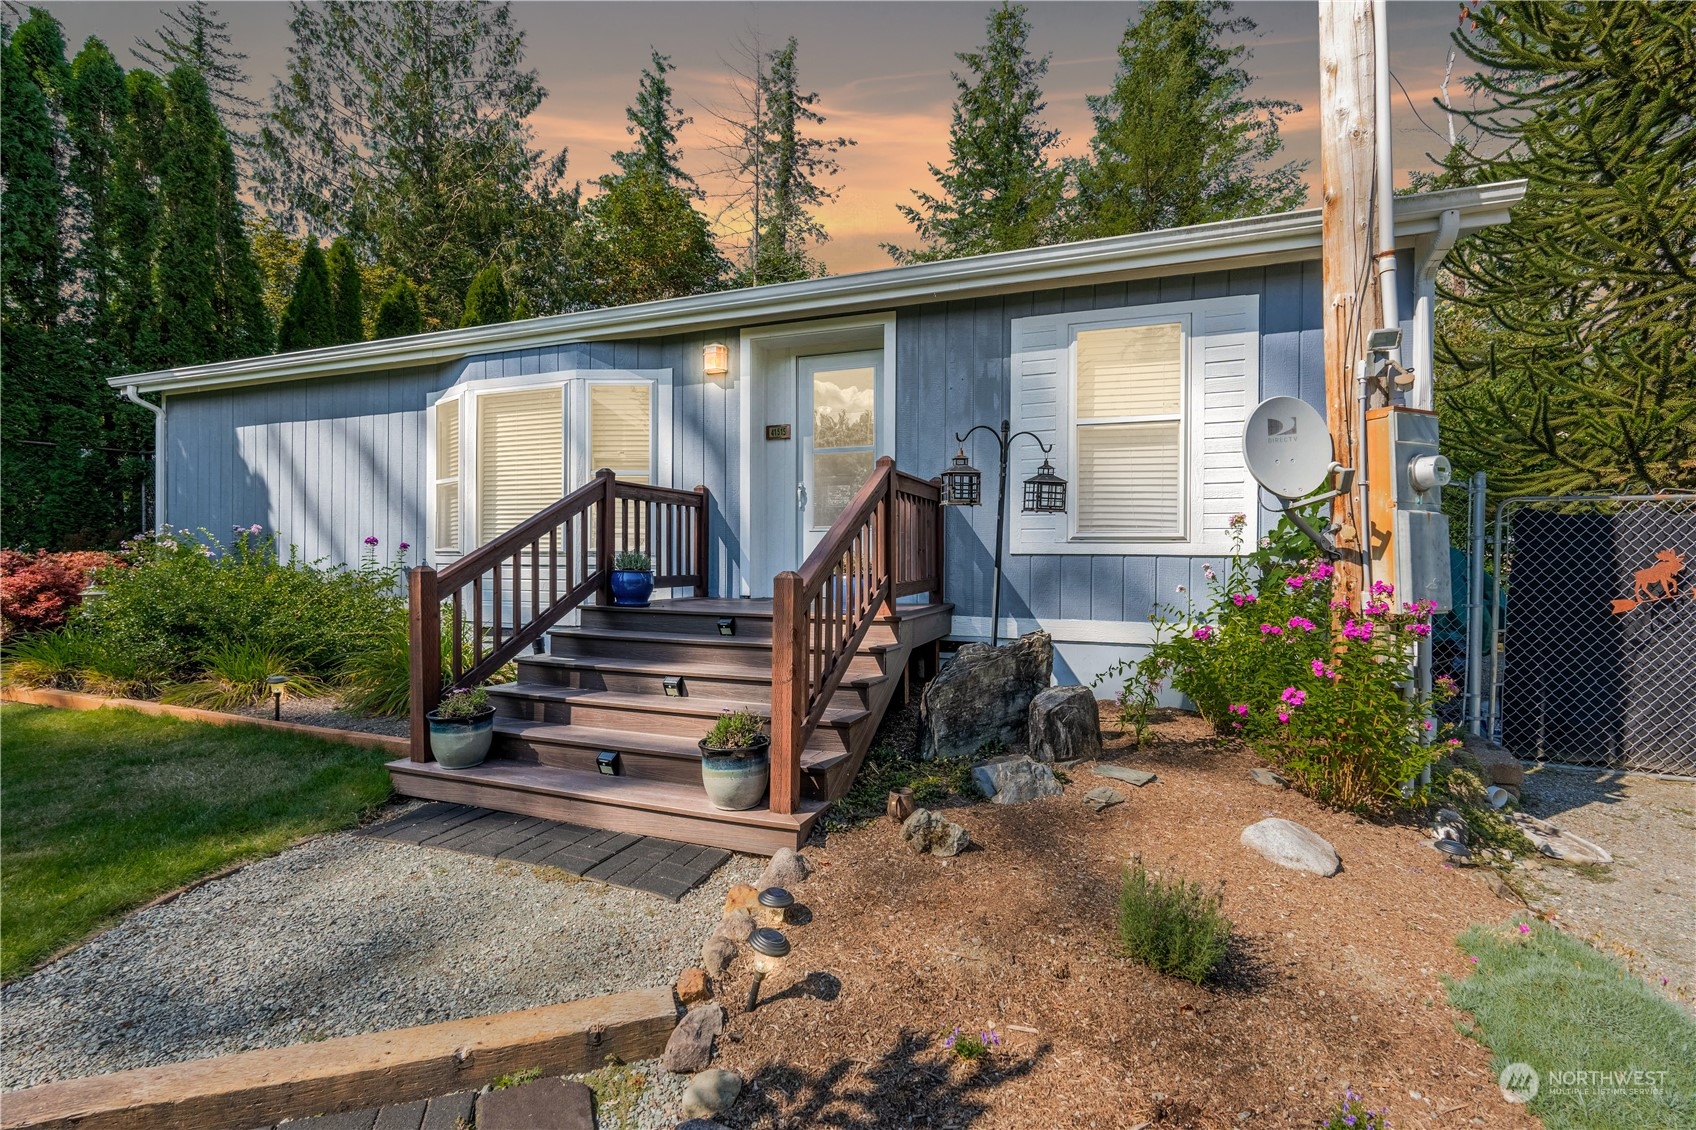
[600, 686]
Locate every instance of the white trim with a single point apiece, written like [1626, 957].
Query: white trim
[1124, 632]
[1282, 237]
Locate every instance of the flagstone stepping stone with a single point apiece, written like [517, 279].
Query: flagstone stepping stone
[546, 1104]
[1103, 798]
[1137, 777]
[1291, 845]
[1267, 777]
[1558, 843]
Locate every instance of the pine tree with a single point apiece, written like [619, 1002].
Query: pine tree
[406, 127]
[96, 106]
[1177, 141]
[654, 122]
[136, 220]
[486, 303]
[210, 305]
[1000, 190]
[346, 287]
[398, 311]
[194, 36]
[1568, 358]
[310, 320]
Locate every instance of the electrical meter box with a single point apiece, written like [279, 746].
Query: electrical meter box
[1406, 474]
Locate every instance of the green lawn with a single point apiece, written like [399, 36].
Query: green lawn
[1585, 1024]
[105, 809]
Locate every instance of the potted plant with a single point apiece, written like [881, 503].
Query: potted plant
[462, 728]
[736, 761]
[632, 578]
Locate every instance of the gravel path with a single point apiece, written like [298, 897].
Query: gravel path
[340, 936]
[1643, 907]
[327, 711]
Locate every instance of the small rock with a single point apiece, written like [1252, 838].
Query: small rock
[1014, 780]
[710, 1092]
[1103, 798]
[690, 1048]
[700, 1124]
[926, 831]
[1557, 843]
[742, 896]
[1136, 777]
[1290, 845]
[1449, 825]
[738, 926]
[788, 869]
[693, 987]
[1065, 725]
[1267, 777]
[716, 955]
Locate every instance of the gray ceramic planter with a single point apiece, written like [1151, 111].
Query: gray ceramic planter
[460, 743]
[736, 780]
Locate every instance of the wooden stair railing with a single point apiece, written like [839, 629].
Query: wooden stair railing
[564, 553]
[886, 544]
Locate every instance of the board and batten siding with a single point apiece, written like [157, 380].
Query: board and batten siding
[329, 462]
[955, 361]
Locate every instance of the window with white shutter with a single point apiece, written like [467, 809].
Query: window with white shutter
[447, 476]
[621, 429]
[1144, 408]
[520, 457]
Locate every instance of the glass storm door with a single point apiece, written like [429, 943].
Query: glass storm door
[836, 402]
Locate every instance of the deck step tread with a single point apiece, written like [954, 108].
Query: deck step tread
[754, 610]
[660, 704]
[619, 635]
[686, 669]
[630, 741]
[618, 792]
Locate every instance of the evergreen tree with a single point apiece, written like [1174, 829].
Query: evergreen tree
[486, 303]
[193, 36]
[398, 310]
[654, 122]
[310, 320]
[96, 106]
[406, 126]
[1000, 191]
[208, 290]
[1568, 354]
[346, 291]
[136, 220]
[1177, 140]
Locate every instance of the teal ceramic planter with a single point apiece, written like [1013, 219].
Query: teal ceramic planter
[460, 743]
[736, 780]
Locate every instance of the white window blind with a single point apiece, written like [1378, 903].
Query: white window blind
[1129, 388]
[447, 475]
[520, 457]
[621, 430]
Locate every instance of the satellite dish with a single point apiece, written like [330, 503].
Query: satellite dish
[1287, 447]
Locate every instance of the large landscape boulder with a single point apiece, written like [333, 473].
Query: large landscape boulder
[1291, 845]
[1014, 780]
[1064, 725]
[983, 696]
[926, 831]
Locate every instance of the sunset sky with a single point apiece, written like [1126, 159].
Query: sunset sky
[882, 70]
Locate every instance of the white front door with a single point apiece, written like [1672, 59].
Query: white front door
[836, 408]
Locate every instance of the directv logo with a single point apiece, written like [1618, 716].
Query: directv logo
[1281, 431]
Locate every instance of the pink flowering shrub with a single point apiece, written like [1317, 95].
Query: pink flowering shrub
[1261, 661]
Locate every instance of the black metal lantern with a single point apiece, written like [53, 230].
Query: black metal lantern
[962, 483]
[1045, 492]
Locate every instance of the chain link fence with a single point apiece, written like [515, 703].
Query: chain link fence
[1594, 657]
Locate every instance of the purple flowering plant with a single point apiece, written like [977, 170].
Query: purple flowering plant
[969, 1047]
[1352, 1114]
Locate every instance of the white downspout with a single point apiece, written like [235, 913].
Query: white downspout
[159, 453]
[1428, 262]
[1385, 180]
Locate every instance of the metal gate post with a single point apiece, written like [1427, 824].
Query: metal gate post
[1475, 608]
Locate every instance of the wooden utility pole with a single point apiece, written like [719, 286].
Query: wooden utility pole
[1347, 116]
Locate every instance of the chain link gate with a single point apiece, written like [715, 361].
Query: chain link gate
[1594, 657]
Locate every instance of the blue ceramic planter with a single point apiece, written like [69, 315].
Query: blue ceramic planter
[460, 743]
[632, 588]
[736, 780]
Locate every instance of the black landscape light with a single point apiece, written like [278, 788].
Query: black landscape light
[774, 905]
[674, 686]
[276, 683]
[727, 625]
[770, 948]
[607, 762]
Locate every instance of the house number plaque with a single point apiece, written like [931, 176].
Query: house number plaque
[777, 431]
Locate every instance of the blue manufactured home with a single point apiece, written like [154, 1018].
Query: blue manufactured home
[1137, 358]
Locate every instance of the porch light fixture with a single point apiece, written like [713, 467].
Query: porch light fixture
[715, 359]
[727, 625]
[276, 683]
[607, 762]
[674, 686]
[770, 948]
[774, 905]
[962, 485]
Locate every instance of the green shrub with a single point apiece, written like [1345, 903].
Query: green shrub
[467, 702]
[735, 729]
[377, 678]
[240, 675]
[631, 561]
[178, 599]
[1172, 926]
[886, 769]
[59, 658]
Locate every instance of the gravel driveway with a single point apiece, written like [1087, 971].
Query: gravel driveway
[343, 935]
[1643, 907]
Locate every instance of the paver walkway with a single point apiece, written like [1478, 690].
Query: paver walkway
[449, 1112]
[645, 863]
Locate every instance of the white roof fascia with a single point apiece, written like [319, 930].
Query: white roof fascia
[1281, 237]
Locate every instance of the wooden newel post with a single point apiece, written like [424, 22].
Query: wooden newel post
[606, 534]
[891, 549]
[424, 639]
[788, 690]
[703, 541]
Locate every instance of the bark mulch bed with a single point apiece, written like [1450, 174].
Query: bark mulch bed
[1332, 983]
